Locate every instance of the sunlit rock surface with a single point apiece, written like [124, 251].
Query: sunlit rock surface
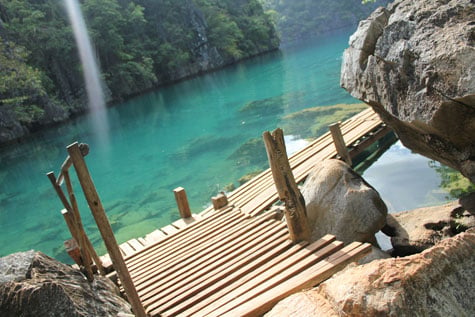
[436, 282]
[340, 202]
[414, 63]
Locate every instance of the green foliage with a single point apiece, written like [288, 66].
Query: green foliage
[452, 181]
[139, 45]
[20, 85]
[296, 20]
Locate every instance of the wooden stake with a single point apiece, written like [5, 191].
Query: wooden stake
[73, 250]
[219, 201]
[85, 242]
[339, 142]
[105, 229]
[182, 202]
[295, 212]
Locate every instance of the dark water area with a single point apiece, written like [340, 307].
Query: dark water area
[199, 134]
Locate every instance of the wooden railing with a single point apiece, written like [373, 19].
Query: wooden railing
[73, 220]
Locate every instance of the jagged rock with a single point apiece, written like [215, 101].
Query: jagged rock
[340, 202]
[33, 284]
[414, 63]
[416, 230]
[436, 282]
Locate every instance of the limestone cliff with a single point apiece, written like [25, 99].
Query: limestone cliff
[414, 63]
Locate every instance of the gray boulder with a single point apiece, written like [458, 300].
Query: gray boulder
[414, 63]
[340, 202]
[33, 284]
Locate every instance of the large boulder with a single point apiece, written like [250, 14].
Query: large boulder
[416, 230]
[340, 202]
[33, 284]
[414, 63]
[436, 282]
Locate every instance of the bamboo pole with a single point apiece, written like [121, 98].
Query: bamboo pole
[182, 202]
[105, 229]
[295, 212]
[85, 242]
[339, 142]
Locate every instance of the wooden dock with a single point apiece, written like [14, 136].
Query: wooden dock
[259, 193]
[234, 258]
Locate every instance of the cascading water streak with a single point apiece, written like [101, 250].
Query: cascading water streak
[91, 72]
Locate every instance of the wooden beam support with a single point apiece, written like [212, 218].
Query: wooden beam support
[182, 202]
[105, 229]
[295, 212]
[339, 142]
[219, 201]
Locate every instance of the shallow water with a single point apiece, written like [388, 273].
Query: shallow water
[199, 134]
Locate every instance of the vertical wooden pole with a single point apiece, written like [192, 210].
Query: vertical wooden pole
[287, 188]
[85, 242]
[105, 229]
[219, 201]
[182, 202]
[339, 142]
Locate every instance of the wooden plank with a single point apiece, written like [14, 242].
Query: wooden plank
[172, 264]
[105, 229]
[169, 230]
[207, 276]
[339, 142]
[182, 202]
[213, 219]
[247, 273]
[260, 283]
[295, 212]
[135, 244]
[126, 249]
[182, 268]
[167, 254]
[184, 222]
[154, 236]
[306, 279]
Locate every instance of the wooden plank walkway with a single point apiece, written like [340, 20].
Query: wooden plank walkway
[220, 264]
[259, 193]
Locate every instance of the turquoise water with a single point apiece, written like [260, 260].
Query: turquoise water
[185, 134]
[189, 134]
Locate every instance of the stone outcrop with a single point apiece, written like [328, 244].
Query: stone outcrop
[33, 284]
[436, 282]
[414, 63]
[340, 202]
[416, 230]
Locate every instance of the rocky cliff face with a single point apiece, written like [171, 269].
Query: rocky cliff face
[414, 63]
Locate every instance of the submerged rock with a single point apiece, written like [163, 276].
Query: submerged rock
[33, 284]
[416, 230]
[414, 63]
[342, 203]
[436, 282]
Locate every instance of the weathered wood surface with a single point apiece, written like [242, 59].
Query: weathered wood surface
[220, 263]
[182, 202]
[287, 189]
[104, 227]
[237, 260]
[339, 142]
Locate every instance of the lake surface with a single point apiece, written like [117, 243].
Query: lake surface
[190, 134]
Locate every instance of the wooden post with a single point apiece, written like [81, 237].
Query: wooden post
[73, 250]
[182, 202]
[105, 229]
[287, 189]
[339, 142]
[219, 201]
[84, 240]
